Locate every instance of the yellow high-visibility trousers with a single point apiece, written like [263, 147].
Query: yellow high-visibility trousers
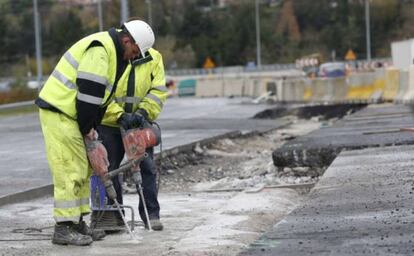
[68, 164]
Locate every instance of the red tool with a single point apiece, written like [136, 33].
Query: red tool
[136, 141]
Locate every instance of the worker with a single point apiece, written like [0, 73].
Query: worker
[139, 98]
[72, 103]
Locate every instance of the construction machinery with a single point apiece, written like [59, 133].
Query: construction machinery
[135, 141]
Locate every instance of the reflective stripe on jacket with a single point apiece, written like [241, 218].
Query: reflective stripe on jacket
[149, 92]
[60, 89]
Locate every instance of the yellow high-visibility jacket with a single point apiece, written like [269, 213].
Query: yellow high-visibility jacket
[142, 87]
[61, 91]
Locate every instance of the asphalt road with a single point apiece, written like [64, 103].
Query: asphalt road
[184, 120]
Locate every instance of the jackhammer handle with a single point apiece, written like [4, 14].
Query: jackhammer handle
[125, 167]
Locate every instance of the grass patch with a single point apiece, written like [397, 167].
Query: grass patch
[17, 95]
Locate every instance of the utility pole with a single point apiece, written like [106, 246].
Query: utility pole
[149, 11]
[258, 50]
[38, 45]
[100, 15]
[368, 30]
[124, 11]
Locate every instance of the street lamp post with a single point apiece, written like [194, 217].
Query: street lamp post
[124, 11]
[99, 3]
[149, 11]
[258, 50]
[368, 32]
[38, 43]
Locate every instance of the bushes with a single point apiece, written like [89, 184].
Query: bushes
[17, 95]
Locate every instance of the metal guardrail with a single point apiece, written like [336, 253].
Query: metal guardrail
[229, 70]
[264, 68]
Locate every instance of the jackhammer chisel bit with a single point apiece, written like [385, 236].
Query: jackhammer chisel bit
[136, 176]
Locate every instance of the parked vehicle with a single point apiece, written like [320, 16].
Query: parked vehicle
[332, 69]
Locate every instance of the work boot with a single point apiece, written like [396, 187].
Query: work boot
[67, 234]
[155, 225]
[95, 233]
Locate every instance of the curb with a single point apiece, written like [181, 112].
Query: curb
[47, 190]
[27, 195]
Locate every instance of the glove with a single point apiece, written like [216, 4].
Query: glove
[130, 121]
[97, 155]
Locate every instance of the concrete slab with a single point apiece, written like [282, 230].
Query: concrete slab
[363, 205]
[195, 224]
[374, 126]
[184, 121]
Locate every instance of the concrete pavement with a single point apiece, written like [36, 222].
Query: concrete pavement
[194, 224]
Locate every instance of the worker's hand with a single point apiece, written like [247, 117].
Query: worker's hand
[92, 135]
[131, 121]
[97, 155]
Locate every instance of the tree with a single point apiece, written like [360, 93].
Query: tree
[386, 22]
[196, 29]
[65, 28]
[288, 23]
[237, 36]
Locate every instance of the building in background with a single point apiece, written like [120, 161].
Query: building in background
[402, 53]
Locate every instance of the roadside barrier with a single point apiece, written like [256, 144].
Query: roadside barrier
[382, 84]
[367, 87]
[392, 84]
[402, 86]
[409, 94]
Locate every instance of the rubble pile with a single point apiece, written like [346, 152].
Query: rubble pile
[238, 163]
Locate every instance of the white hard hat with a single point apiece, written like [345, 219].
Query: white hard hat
[142, 33]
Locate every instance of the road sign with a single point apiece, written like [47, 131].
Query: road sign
[350, 55]
[208, 63]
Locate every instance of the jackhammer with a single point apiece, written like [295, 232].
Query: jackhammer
[135, 141]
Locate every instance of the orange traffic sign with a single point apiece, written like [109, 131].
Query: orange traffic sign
[350, 55]
[209, 63]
